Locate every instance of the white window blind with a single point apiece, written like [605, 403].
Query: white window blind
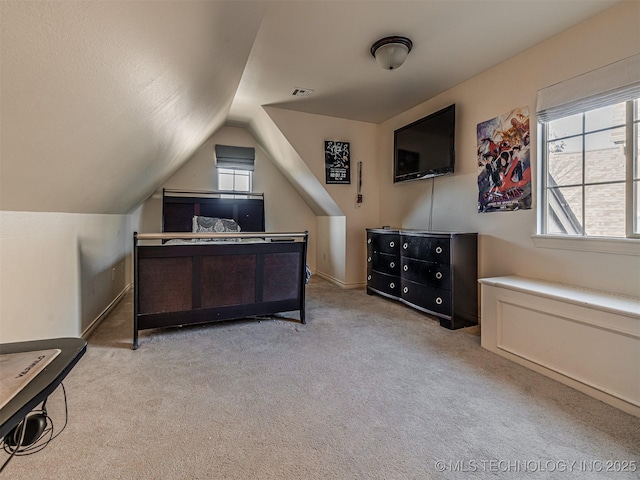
[236, 158]
[613, 83]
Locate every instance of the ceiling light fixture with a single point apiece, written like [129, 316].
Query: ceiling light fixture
[391, 52]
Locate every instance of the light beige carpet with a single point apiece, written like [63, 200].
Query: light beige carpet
[367, 389]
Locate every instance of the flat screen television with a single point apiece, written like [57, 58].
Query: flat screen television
[425, 148]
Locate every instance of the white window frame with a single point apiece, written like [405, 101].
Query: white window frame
[630, 148]
[235, 172]
[608, 85]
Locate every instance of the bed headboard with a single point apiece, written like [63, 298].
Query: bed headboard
[179, 207]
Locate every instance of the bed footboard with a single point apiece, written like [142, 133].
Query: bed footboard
[191, 283]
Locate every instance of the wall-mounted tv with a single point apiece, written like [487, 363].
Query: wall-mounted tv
[426, 147]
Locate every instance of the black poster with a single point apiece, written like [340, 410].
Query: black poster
[337, 161]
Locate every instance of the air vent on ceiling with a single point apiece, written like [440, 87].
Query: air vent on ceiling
[301, 92]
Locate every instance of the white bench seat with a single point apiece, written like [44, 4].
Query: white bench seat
[587, 339]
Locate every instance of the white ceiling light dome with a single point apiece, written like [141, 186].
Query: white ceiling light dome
[391, 52]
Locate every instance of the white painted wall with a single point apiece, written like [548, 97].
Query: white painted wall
[59, 271]
[506, 246]
[291, 165]
[103, 100]
[55, 268]
[285, 210]
[335, 241]
[307, 133]
[331, 253]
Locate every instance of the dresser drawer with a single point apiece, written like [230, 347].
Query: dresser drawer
[384, 263]
[383, 243]
[384, 283]
[427, 273]
[435, 272]
[430, 298]
[430, 249]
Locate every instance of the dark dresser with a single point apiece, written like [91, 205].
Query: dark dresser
[434, 272]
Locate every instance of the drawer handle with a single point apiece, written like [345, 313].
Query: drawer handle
[438, 249]
[392, 264]
[392, 244]
[369, 240]
[406, 268]
[438, 301]
[369, 277]
[405, 289]
[439, 275]
[369, 259]
[405, 246]
[392, 285]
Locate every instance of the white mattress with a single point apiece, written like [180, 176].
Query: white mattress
[178, 241]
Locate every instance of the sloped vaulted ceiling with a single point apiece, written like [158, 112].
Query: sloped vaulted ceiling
[101, 101]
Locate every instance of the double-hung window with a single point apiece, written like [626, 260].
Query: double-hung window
[589, 170]
[235, 167]
[234, 180]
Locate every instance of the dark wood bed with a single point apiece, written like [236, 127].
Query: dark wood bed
[224, 276]
[179, 207]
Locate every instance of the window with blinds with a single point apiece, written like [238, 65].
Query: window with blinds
[235, 166]
[589, 156]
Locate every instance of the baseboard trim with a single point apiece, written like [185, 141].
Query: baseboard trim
[89, 330]
[339, 283]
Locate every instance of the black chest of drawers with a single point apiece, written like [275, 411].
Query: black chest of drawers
[436, 273]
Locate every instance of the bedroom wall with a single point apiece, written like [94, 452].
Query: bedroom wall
[331, 253]
[346, 236]
[285, 210]
[506, 244]
[58, 282]
[59, 271]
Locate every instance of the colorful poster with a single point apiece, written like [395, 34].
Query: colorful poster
[337, 162]
[504, 166]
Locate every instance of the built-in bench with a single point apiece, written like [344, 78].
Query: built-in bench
[587, 339]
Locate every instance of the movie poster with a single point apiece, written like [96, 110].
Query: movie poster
[504, 166]
[337, 162]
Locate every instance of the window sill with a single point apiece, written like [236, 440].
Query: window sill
[619, 246]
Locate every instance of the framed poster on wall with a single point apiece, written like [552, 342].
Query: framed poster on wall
[504, 166]
[337, 161]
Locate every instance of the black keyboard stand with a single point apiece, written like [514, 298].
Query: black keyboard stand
[43, 384]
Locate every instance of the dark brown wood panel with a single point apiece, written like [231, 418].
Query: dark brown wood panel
[281, 276]
[191, 283]
[165, 284]
[177, 217]
[228, 280]
[178, 211]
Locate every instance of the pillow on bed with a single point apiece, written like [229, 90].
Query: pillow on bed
[214, 225]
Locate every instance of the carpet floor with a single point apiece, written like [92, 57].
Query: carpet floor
[367, 389]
